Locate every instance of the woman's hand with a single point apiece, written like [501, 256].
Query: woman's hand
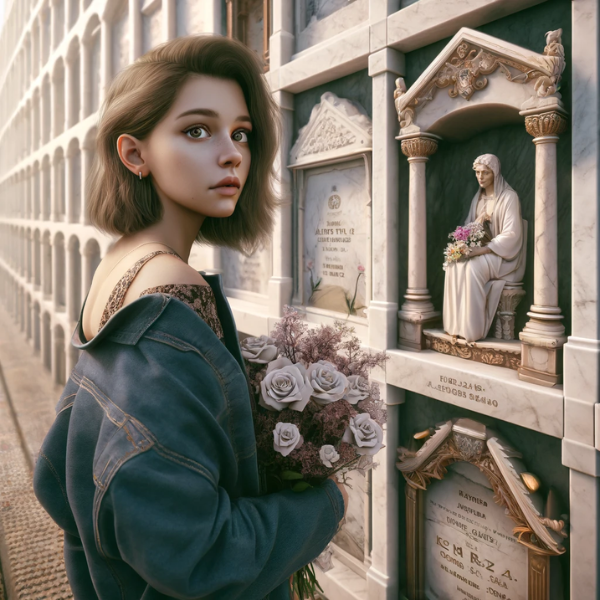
[478, 251]
[342, 489]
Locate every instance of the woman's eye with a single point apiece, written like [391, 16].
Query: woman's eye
[241, 135]
[196, 132]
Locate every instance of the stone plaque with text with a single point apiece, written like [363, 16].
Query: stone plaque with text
[335, 238]
[470, 550]
[247, 273]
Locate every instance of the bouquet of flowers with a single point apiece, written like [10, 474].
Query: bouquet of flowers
[316, 413]
[463, 239]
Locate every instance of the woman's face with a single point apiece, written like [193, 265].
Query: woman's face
[485, 176]
[201, 141]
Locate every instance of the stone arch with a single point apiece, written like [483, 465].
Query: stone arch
[28, 202]
[36, 191]
[37, 260]
[91, 51]
[88, 155]
[58, 97]
[46, 341]
[59, 267]
[36, 108]
[60, 366]
[59, 191]
[46, 190]
[29, 255]
[74, 279]
[73, 13]
[46, 109]
[74, 181]
[92, 259]
[28, 319]
[58, 9]
[37, 327]
[73, 80]
[46, 265]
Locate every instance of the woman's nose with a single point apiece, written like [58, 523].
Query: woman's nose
[229, 153]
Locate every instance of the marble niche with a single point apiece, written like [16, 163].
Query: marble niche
[478, 526]
[476, 83]
[331, 166]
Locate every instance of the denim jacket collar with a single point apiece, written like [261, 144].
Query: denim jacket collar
[128, 324]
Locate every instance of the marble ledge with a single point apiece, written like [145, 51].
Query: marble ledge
[336, 57]
[428, 21]
[486, 389]
[251, 318]
[341, 583]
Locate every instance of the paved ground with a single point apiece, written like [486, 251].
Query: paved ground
[30, 543]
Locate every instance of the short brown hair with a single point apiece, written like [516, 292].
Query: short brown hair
[138, 99]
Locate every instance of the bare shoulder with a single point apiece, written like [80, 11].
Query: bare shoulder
[164, 269]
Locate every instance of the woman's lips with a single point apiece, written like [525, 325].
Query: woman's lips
[226, 190]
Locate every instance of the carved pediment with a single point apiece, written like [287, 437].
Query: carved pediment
[470, 441]
[461, 77]
[337, 127]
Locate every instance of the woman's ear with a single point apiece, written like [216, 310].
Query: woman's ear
[131, 154]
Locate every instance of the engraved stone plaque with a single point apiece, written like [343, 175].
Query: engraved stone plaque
[335, 238]
[247, 273]
[470, 550]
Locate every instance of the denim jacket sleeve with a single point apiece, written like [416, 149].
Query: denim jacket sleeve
[188, 538]
[167, 511]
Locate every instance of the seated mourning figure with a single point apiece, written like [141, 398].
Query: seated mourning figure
[474, 285]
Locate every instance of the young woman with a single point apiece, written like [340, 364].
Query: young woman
[150, 467]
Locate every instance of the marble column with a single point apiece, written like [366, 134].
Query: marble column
[544, 334]
[169, 19]
[581, 442]
[105, 59]
[281, 45]
[417, 312]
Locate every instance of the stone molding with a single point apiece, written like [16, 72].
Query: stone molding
[337, 127]
[463, 68]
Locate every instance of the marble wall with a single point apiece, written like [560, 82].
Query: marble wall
[451, 183]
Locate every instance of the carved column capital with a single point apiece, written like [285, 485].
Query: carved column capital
[544, 124]
[419, 147]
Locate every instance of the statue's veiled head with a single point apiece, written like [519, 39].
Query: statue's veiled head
[487, 169]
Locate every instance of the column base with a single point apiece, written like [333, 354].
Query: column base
[542, 341]
[541, 365]
[411, 326]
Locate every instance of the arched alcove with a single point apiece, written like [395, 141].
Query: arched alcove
[91, 261]
[74, 187]
[58, 98]
[73, 82]
[88, 158]
[46, 190]
[74, 280]
[36, 327]
[46, 109]
[46, 342]
[59, 191]
[59, 272]
[36, 190]
[28, 326]
[46, 265]
[60, 367]
[37, 260]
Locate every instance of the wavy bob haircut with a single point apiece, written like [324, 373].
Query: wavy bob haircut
[140, 96]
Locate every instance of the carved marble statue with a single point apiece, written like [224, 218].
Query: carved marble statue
[473, 286]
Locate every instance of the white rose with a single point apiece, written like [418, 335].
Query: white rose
[285, 385]
[286, 437]
[259, 349]
[328, 455]
[364, 434]
[358, 389]
[328, 384]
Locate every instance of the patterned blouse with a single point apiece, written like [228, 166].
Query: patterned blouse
[199, 297]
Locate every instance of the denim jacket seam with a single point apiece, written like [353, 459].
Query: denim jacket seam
[334, 505]
[55, 474]
[65, 407]
[167, 339]
[91, 387]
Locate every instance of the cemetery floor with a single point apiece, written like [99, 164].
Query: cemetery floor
[30, 543]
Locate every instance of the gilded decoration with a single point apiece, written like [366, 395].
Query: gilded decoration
[500, 464]
[548, 123]
[487, 356]
[419, 147]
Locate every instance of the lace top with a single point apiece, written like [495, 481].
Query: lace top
[197, 296]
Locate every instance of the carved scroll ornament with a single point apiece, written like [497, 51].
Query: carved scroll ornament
[495, 460]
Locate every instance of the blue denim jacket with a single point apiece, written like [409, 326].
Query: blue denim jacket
[150, 467]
